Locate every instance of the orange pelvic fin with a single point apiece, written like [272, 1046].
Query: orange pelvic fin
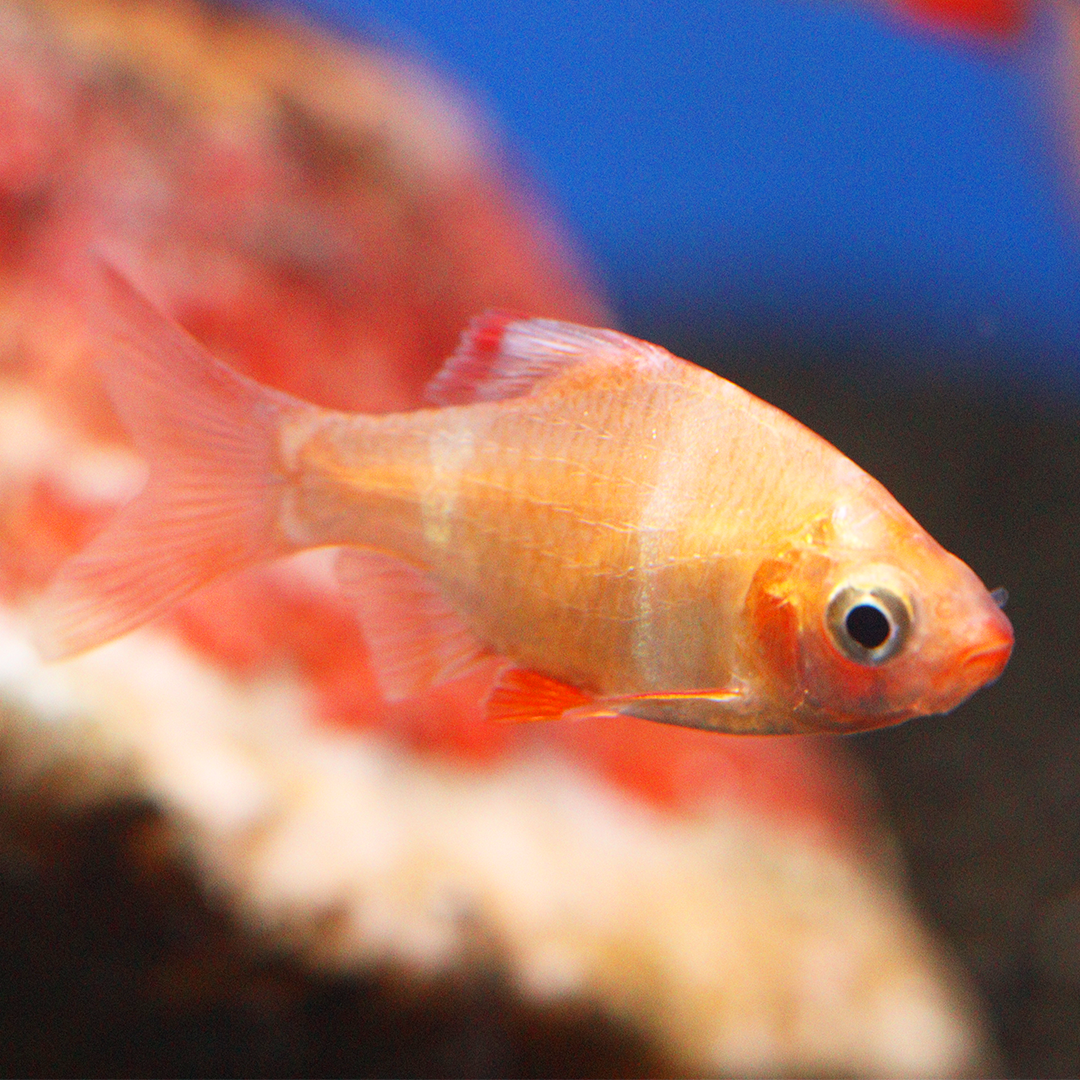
[504, 356]
[415, 638]
[210, 505]
[521, 695]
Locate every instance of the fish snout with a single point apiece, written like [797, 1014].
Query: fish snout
[985, 659]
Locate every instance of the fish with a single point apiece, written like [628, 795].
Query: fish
[622, 532]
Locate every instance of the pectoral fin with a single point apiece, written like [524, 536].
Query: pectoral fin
[722, 710]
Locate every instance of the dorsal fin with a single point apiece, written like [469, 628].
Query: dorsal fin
[415, 638]
[503, 355]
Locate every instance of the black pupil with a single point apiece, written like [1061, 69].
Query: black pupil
[868, 625]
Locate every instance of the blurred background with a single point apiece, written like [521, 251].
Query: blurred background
[856, 175]
[867, 213]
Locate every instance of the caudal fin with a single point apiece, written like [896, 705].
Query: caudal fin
[211, 502]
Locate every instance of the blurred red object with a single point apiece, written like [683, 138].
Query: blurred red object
[330, 235]
[328, 218]
[998, 20]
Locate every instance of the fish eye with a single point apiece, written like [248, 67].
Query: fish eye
[869, 626]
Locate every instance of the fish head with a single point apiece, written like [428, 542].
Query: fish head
[867, 621]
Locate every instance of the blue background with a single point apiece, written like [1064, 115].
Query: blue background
[875, 229]
[798, 168]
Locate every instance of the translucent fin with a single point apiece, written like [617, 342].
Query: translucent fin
[521, 695]
[503, 356]
[211, 503]
[711, 710]
[415, 638]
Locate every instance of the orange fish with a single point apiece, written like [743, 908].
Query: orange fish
[631, 533]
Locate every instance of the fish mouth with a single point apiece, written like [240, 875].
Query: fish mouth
[984, 663]
[976, 666]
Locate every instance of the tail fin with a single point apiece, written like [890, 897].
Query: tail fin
[211, 502]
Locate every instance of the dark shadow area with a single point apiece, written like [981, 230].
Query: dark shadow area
[985, 801]
[113, 964]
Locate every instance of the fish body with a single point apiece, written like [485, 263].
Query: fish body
[603, 529]
[632, 533]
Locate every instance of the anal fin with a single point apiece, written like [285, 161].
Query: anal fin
[415, 638]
